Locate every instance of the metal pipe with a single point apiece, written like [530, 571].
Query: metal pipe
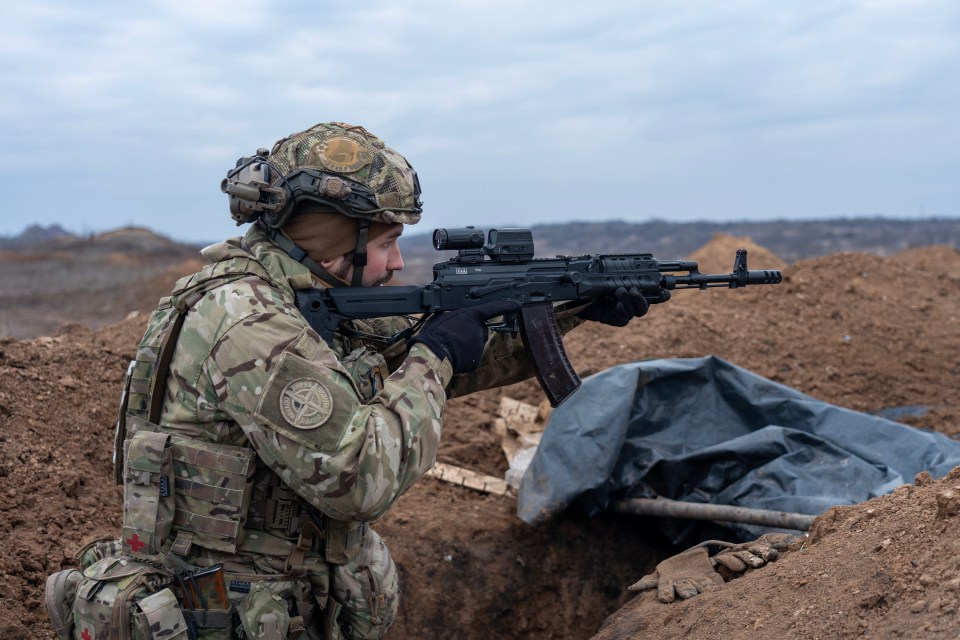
[666, 508]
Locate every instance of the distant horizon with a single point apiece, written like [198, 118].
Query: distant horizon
[421, 229]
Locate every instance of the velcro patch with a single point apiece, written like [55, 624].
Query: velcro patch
[304, 404]
[340, 154]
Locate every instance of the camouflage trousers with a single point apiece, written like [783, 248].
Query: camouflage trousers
[358, 599]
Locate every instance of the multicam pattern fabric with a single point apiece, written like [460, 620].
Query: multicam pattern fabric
[369, 588]
[357, 154]
[342, 431]
[120, 589]
[160, 617]
[240, 348]
[148, 501]
[59, 593]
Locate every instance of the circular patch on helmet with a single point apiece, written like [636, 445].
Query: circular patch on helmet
[341, 154]
[305, 403]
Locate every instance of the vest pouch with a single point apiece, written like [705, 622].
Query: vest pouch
[58, 597]
[214, 483]
[263, 614]
[159, 617]
[368, 370]
[148, 493]
[343, 539]
[107, 597]
[98, 549]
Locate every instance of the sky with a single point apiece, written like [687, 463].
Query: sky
[512, 112]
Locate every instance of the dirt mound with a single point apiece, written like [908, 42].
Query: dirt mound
[39, 293]
[717, 255]
[861, 331]
[90, 280]
[886, 568]
[136, 241]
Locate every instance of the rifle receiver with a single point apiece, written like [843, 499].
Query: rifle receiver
[502, 267]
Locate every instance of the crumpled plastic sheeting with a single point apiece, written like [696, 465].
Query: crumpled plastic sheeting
[705, 430]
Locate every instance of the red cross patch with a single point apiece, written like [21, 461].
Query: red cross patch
[86, 634]
[136, 544]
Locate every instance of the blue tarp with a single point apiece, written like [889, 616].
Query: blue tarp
[705, 430]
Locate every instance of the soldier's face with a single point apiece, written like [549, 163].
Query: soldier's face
[383, 258]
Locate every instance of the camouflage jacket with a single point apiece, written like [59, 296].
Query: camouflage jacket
[345, 435]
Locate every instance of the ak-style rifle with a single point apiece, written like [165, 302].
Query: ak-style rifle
[502, 267]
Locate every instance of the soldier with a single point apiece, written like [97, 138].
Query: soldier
[283, 448]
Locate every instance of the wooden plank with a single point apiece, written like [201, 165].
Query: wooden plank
[471, 479]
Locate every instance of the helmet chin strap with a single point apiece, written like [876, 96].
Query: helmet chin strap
[360, 252]
[297, 252]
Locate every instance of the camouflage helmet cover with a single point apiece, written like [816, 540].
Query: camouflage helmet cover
[377, 182]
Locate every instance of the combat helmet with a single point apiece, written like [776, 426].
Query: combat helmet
[338, 166]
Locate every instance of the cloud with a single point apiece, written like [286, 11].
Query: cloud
[678, 103]
[216, 15]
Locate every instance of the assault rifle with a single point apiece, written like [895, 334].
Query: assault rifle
[503, 268]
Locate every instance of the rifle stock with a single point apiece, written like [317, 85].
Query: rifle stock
[505, 269]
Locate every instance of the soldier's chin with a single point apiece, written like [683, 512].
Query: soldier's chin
[384, 279]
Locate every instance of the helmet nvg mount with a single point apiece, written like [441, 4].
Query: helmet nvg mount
[337, 165]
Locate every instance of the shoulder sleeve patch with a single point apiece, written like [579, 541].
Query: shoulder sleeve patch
[303, 404]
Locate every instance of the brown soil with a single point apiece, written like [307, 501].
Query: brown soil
[860, 331]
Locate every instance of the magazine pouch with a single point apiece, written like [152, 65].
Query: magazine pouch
[148, 493]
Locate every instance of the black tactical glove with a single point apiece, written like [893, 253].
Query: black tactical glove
[459, 336]
[619, 307]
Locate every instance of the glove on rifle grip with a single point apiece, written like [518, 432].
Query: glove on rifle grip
[460, 336]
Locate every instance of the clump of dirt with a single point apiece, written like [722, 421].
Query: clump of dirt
[861, 331]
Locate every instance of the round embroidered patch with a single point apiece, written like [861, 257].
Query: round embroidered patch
[341, 154]
[305, 403]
